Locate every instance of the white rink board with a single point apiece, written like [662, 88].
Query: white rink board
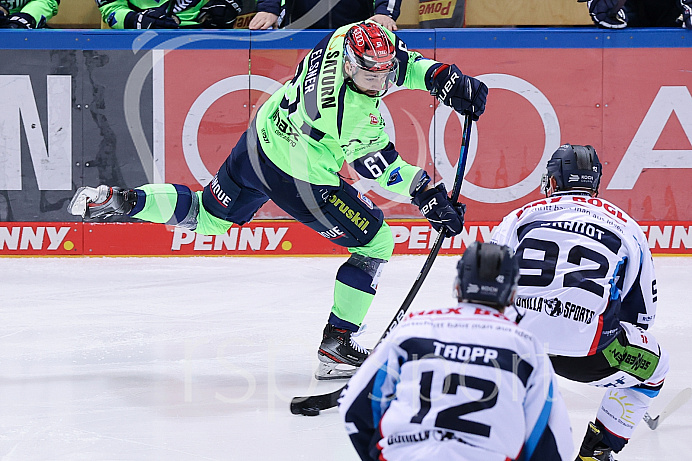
[197, 358]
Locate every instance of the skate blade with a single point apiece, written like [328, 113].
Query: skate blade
[80, 201]
[329, 371]
[78, 204]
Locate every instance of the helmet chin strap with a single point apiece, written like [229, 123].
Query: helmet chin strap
[520, 316]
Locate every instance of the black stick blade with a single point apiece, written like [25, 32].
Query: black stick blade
[313, 404]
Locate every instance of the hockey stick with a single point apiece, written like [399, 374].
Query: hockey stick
[312, 405]
[678, 401]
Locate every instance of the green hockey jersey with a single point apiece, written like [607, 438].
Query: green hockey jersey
[40, 10]
[317, 120]
[113, 12]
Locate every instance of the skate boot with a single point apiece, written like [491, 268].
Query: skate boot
[592, 449]
[101, 201]
[339, 354]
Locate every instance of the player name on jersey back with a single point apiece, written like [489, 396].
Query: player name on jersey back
[578, 199]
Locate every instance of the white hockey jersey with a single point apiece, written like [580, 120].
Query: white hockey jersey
[585, 266]
[462, 383]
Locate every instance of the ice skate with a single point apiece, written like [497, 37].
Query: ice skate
[339, 354]
[101, 202]
[592, 449]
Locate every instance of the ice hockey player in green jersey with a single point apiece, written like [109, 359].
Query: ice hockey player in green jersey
[172, 14]
[26, 14]
[292, 152]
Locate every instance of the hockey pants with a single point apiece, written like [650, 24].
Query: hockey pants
[248, 179]
[631, 369]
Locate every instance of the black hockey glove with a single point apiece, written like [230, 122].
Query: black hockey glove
[153, 18]
[440, 211]
[219, 14]
[607, 13]
[18, 21]
[686, 13]
[462, 93]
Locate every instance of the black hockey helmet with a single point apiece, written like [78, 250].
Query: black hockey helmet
[487, 274]
[573, 167]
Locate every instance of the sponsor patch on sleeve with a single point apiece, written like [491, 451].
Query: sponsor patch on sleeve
[365, 200]
[394, 177]
[645, 318]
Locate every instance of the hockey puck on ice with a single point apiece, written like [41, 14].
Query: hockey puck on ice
[310, 411]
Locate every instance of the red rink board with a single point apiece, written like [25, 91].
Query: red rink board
[260, 238]
[641, 124]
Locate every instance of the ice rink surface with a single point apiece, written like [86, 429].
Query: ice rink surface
[197, 358]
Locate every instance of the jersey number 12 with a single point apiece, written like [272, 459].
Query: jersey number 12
[449, 418]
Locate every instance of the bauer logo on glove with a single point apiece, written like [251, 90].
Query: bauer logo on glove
[442, 214]
[428, 207]
[449, 84]
[462, 93]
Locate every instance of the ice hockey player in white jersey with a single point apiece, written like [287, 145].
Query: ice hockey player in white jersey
[460, 383]
[588, 291]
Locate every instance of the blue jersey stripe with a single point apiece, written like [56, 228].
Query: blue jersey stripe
[376, 400]
[647, 392]
[540, 426]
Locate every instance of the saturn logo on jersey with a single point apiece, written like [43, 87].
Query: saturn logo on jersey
[327, 98]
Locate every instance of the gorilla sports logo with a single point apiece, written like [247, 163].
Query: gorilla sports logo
[553, 307]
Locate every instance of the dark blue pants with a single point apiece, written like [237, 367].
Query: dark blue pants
[247, 179]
